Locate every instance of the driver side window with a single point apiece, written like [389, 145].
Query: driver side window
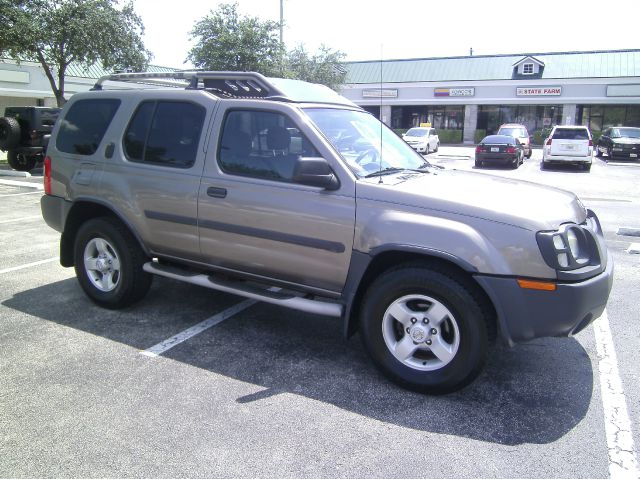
[262, 144]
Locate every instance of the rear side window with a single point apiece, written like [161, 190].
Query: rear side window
[84, 125]
[165, 133]
[571, 134]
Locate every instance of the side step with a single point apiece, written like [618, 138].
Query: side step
[248, 291]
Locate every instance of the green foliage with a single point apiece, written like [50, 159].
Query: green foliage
[540, 135]
[450, 136]
[324, 67]
[227, 41]
[400, 131]
[56, 33]
[479, 135]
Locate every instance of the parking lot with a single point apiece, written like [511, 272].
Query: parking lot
[269, 392]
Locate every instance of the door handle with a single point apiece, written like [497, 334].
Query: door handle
[217, 192]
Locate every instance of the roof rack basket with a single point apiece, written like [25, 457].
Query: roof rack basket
[226, 84]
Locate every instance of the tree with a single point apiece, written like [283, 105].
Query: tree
[227, 41]
[57, 33]
[325, 67]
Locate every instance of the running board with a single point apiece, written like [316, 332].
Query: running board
[248, 291]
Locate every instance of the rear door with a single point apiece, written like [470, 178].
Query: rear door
[570, 142]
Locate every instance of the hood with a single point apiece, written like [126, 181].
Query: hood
[414, 138]
[464, 193]
[626, 141]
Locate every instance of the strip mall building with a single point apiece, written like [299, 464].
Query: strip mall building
[468, 97]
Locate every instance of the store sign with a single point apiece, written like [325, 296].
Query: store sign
[380, 93]
[623, 90]
[454, 92]
[540, 91]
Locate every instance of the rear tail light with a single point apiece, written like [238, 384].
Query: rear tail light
[511, 149]
[479, 149]
[548, 143]
[590, 142]
[47, 175]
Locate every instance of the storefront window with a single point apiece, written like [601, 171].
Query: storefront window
[599, 117]
[534, 117]
[441, 117]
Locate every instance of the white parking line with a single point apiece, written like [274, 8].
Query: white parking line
[28, 265]
[17, 220]
[26, 184]
[622, 458]
[22, 194]
[158, 349]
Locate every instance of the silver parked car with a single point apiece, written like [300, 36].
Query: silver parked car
[245, 184]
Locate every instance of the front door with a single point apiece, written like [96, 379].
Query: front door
[253, 218]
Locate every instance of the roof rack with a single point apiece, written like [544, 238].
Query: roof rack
[227, 84]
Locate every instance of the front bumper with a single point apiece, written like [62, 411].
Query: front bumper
[525, 314]
[419, 148]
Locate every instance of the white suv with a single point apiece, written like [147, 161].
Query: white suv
[422, 139]
[568, 144]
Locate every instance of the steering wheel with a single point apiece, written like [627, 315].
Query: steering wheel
[372, 152]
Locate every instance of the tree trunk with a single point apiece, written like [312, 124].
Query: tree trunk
[58, 90]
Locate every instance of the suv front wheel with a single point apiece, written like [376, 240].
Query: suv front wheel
[424, 329]
[108, 263]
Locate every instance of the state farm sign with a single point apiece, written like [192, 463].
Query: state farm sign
[539, 91]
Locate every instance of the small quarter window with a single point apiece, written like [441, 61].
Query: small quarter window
[527, 69]
[84, 125]
[165, 133]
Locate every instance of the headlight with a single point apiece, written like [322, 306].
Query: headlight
[571, 247]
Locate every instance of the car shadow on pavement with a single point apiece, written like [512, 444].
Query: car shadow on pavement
[534, 393]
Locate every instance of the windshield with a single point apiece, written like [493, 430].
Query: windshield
[356, 136]
[626, 133]
[417, 132]
[516, 132]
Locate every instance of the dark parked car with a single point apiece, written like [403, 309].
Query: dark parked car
[619, 142]
[25, 133]
[500, 149]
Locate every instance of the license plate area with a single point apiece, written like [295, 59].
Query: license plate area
[495, 149]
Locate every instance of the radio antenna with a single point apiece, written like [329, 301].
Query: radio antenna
[381, 117]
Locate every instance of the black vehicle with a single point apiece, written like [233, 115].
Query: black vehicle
[500, 149]
[620, 142]
[25, 133]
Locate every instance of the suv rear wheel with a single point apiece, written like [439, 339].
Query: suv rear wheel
[424, 330]
[108, 263]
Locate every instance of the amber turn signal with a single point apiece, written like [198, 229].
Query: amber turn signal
[538, 285]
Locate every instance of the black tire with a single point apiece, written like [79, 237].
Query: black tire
[530, 153]
[20, 161]
[437, 147]
[478, 164]
[587, 167]
[467, 320]
[130, 282]
[9, 133]
[426, 152]
[610, 152]
[543, 165]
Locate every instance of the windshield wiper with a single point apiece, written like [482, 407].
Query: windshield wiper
[394, 169]
[385, 171]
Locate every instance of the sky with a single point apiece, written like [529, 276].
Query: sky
[369, 30]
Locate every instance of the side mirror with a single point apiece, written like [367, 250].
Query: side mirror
[312, 171]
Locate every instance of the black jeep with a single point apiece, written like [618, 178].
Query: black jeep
[25, 133]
